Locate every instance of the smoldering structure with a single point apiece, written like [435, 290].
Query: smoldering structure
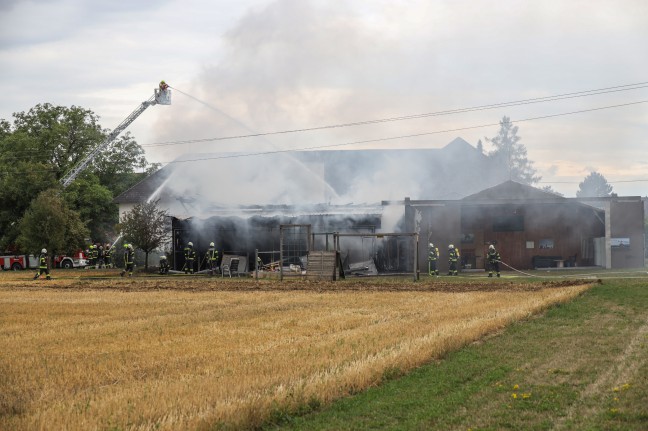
[243, 231]
[457, 196]
[239, 201]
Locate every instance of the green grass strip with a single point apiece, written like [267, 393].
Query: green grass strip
[581, 365]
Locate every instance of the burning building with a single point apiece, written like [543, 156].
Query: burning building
[457, 195]
[239, 201]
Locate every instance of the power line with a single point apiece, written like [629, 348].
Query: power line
[316, 147]
[625, 87]
[615, 89]
[415, 135]
[610, 182]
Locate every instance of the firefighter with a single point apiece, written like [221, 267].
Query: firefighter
[259, 263]
[108, 255]
[493, 258]
[212, 258]
[94, 253]
[164, 265]
[42, 266]
[91, 257]
[163, 85]
[433, 255]
[453, 258]
[129, 255]
[101, 263]
[190, 257]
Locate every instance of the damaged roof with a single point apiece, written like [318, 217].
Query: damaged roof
[512, 190]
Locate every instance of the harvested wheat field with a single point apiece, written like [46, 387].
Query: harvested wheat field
[151, 353]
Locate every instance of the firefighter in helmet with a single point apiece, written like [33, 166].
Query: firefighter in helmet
[42, 265]
[94, 252]
[212, 258]
[129, 257]
[190, 257]
[453, 259]
[433, 256]
[108, 255]
[494, 259]
[92, 256]
[101, 262]
[164, 265]
[163, 85]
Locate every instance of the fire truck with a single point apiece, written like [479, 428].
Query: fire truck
[161, 96]
[78, 260]
[19, 262]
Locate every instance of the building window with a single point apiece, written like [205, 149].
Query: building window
[467, 238]
[620, 242]
[546, 243]
[509, 223]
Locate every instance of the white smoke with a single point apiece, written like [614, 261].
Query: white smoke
[292, 64]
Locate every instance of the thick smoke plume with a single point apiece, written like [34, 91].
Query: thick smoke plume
[297, 64]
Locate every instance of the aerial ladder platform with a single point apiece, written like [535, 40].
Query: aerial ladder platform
[161, 96]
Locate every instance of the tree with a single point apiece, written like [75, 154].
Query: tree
[594, 185]
[45, 143]
[123, 165]
[550, 189]
[49, 223]
[480, 146]
[60, 136]
[511, 155]
[146, 227]
[94, 204]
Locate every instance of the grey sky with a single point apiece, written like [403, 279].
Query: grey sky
[289, 64]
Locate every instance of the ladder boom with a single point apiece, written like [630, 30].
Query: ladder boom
[161, 96]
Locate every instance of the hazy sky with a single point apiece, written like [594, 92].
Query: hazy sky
[249, 66]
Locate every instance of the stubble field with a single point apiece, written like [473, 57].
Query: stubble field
[146, 353]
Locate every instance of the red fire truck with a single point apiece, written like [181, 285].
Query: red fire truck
[77, 260]
[22, 261]
[18, 262]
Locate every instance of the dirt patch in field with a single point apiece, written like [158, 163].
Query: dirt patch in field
[199, 284]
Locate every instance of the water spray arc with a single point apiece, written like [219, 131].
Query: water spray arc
[253, 133]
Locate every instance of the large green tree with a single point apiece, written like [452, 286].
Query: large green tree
[594, 185]
[123, 165]
[50, 223]
[45, 143]
[511, 155]
[146, 227]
